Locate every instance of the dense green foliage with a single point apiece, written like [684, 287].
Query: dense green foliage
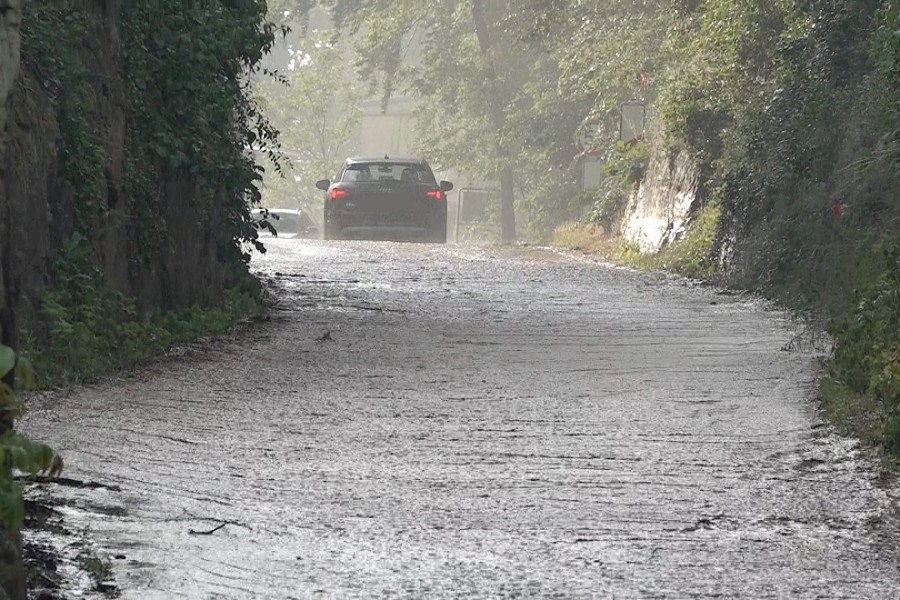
[91, 330]
[151, 225]
[867, 357]
[191, 110]
[623, 170]
[52, 50]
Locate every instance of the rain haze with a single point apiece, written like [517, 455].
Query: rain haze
[449, 299]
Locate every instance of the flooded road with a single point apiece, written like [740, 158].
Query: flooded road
[438, 422]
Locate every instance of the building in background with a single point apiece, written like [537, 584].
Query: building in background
[388, 132]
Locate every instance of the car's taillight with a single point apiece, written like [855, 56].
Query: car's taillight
[337, 193]
[435, 194]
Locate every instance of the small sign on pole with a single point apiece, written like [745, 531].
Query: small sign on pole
[586, 136]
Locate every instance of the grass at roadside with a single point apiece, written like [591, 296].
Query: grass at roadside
[689, 255]
[584, 238]
[79, 343]
[862, 416]
[852, 413]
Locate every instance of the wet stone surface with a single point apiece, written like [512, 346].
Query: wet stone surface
[423, 421]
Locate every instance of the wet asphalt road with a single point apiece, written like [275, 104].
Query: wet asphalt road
[426, 422]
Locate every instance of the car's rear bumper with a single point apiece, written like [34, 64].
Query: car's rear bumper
[426, 225]
[349, 218]
[387, 233]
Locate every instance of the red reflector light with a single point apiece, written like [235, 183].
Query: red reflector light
[435, 193]
[336, 193]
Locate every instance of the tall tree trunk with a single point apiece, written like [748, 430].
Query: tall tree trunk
[12, 574]
[505, 171]
[10, 20]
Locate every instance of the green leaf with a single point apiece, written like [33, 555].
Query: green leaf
[7, 360]
[20, 458]
[25, 374]
[12, 506]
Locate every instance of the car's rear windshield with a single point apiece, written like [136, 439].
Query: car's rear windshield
[405, 172]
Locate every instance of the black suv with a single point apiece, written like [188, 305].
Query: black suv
[386, 198]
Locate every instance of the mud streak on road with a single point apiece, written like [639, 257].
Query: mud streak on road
[420, 421]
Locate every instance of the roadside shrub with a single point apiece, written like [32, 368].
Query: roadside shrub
[628, 162]
[867, 342]
[609, 206]
[18, 452]
[84, 329]
[623, 171]
[581, 236]
[888, 386]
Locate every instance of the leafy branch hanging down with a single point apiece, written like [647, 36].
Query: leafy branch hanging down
[191, 70]
[17, 452]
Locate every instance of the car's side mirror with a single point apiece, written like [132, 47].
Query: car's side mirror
[323, 184]
[446, 186]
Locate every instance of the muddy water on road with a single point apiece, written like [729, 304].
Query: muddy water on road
[422, 421]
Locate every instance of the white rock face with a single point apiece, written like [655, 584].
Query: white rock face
[660, 209]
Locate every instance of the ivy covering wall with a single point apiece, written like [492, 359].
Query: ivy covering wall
[131, 155]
